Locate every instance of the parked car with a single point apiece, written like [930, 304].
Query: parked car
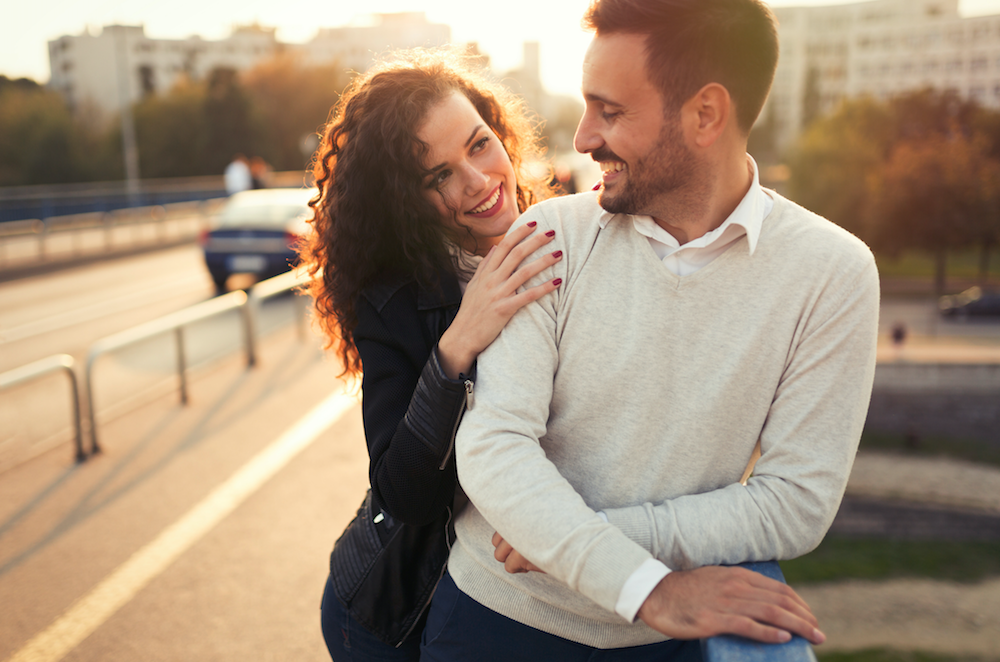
[973, 301]
[255, 232]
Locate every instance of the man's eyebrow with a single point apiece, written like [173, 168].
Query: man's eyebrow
[468, 142]
[590, 96]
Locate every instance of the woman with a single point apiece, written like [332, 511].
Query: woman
[421, 173]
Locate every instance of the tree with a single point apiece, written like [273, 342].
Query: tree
[833, 158]
[42, 143]
[293, 102]
[230, 121]
[932, 194]
[171, 130]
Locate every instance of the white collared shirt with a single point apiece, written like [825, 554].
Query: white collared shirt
[684, 260]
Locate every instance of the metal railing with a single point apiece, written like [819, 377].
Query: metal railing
[248, 305]
[58, 363]
[60, 238]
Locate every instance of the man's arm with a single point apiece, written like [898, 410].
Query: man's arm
[808, 445]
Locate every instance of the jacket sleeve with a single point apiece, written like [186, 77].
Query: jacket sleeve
[411, 409]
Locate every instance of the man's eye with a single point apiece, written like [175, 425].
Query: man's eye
[608, 116]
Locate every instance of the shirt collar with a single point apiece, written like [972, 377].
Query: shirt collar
[749, 215]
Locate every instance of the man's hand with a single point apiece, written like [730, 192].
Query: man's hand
[694, 604]
[512, 560]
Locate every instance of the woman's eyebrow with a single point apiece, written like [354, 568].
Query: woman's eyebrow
[468, 142]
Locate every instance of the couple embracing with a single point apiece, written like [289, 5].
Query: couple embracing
[561, 400]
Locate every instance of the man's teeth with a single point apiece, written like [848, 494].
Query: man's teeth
[488, 205]
[612, 166]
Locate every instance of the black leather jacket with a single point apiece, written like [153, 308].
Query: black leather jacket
[411, 411]
[410, 407]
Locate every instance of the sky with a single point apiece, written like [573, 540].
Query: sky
[499, 28]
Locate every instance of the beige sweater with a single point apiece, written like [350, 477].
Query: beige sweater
[641, 393]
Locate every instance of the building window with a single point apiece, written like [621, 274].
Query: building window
[978, 94]
[953, 66]
[979, 64]
[147, 80]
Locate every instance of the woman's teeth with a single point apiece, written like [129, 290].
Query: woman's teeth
[612, 166]
[488, 205]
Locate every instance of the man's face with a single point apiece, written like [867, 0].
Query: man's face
[626, 129]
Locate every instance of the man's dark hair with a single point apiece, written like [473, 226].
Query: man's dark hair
[691, 43]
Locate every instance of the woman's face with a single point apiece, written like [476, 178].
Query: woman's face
[472, 182]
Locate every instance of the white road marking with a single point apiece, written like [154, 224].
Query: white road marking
[92, 610]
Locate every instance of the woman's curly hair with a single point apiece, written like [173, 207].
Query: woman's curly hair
[370, 216]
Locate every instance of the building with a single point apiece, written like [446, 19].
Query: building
[122, 65]
[355, 47]
[879, 48]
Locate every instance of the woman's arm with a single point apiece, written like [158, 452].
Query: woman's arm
[412, 409]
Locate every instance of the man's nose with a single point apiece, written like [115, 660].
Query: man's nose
[587, 139]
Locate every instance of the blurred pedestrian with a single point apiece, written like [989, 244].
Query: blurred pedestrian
[260, 173]
[237, 175]
[898, 334]
[421, 173]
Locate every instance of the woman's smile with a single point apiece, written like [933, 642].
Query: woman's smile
[469, 177]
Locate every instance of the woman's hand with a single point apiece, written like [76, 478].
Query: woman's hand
[512, 560]
[491, 298]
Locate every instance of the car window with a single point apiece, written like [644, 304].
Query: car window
[269, 208]
[260, 215]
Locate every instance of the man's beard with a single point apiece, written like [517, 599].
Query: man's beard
[667, 167]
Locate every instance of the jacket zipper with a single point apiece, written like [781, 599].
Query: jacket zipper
[444, 568]
[467, 403]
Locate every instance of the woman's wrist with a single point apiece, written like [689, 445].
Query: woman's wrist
[454, 356]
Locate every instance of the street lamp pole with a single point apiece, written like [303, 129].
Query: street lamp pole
[129, 147]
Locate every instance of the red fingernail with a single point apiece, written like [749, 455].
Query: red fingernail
[557, 254]
[557, 282]
[550, 233]
[532, 224]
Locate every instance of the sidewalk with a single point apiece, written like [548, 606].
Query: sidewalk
[916, 614]
[940, 481]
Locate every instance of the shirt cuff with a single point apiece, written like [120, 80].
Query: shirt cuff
[638, 587]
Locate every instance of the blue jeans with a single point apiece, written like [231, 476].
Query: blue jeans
[459, 629]
[348, 641]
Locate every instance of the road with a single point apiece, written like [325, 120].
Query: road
[67, 311]
[175, 543]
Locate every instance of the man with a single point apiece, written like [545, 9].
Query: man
[698, 315]
[237, 176]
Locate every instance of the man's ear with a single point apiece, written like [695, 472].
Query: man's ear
[707, 114]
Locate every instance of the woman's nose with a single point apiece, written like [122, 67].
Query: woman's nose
[475, 179]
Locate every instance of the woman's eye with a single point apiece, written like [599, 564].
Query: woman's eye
[441, 177]
[481, 144]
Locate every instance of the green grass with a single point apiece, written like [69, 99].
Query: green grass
[839, 558]
[931, 446]
[918, 264]
[885, 655]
